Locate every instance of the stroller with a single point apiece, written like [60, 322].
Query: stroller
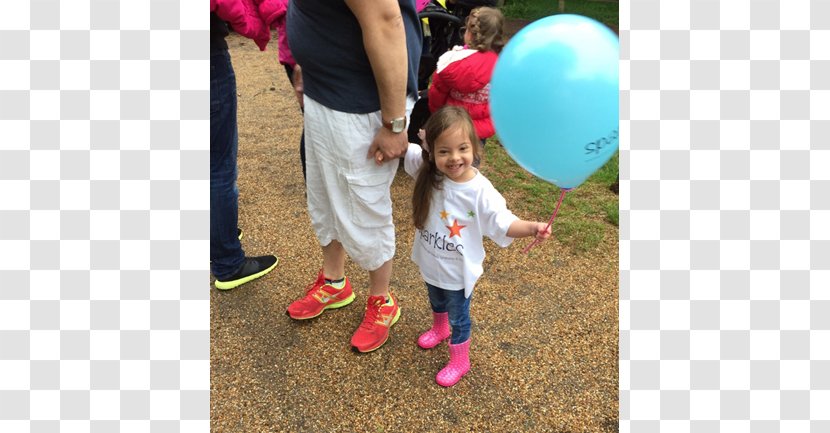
[444, 31]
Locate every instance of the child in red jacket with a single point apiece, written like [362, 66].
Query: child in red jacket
[463, 74]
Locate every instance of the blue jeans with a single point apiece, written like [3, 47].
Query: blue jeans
[458, 307]
[226, 255]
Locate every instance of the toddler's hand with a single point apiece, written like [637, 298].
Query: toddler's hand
[422, 135]
[542, 231]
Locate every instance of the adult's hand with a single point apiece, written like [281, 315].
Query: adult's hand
[298, 84]
[384, 40]
[386, 146]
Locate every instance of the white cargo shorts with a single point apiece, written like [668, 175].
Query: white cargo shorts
[348, 194]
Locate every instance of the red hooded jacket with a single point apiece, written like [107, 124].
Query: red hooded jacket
[462, 78]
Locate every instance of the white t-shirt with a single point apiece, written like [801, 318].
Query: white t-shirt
[449, 250]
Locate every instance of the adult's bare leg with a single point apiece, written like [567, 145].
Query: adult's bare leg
[379, 279]
[334, 260]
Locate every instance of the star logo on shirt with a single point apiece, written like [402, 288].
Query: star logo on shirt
[444, 214]
[471, 214]
[455, 229]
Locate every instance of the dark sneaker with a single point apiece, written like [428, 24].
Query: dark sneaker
[239, 233]
[253, 268]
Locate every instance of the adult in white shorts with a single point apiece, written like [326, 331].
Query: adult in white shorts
[359, 79]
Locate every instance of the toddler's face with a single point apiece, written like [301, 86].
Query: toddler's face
[454, 154]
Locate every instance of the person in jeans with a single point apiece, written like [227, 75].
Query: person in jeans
[453, 207]
[359, 64]
[228, 262]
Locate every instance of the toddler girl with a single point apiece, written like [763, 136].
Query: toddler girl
[453, 207]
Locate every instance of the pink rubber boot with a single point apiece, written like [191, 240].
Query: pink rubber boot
[439, 332]
[458, 366]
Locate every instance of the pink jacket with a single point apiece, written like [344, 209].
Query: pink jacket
[285, 56]
[249, 18]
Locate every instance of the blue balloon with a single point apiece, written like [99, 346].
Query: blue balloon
[554, 98]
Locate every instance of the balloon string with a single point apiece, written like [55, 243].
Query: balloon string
[555, 211]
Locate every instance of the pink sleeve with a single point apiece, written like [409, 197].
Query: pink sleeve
[272, 10]
[244, 17]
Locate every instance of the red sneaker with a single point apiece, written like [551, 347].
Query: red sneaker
[319, 297]
[374, 330]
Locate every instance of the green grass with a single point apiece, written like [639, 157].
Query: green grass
[588, 212]
[605, 12]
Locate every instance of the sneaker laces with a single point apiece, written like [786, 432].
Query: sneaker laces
[372, 312]
[310, 287]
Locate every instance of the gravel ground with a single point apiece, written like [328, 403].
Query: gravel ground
[545, 326]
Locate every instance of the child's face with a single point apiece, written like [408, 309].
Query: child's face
[454, 154]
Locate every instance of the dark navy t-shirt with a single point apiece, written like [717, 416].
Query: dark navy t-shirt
[326, 40]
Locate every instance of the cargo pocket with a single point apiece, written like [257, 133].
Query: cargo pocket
[370, 202]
